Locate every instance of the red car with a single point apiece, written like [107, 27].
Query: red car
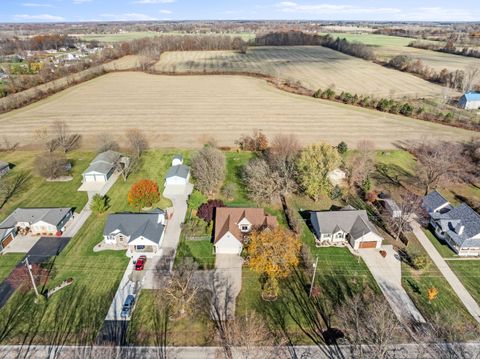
[140, 263]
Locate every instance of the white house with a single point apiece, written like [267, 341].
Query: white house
[345, 226]
[139, 233]
[37, 221]
[178, 174]
[102, 167]
[232, 226]
[458, 226]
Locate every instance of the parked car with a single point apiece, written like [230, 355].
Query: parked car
[140, 263]
[127, 306]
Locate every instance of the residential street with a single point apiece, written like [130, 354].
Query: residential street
[457, 286]
[388, 275]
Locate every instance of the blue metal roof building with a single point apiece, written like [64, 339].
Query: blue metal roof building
[470, 101]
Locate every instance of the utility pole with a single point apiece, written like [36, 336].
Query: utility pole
[313, 277]
[27, 263]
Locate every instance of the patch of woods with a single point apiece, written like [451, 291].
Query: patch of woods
[449, 48]
[426, 110]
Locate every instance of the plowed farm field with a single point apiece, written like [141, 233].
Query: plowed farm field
[187, 111]
[313, 66]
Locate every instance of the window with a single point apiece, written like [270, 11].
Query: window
[244, 228]
[339, 235]
[140, 247]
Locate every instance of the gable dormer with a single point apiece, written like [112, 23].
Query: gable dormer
[244, 225]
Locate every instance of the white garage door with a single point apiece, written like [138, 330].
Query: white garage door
[94, 178]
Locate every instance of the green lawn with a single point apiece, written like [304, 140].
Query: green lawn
[96, 275]
[144, 329]
[8, 262]
[441, 246]
[201, 252]
[468, 271]
[37, 192]
[418, 282]
[235, 163]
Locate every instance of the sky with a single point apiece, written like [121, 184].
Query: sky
[138, 10]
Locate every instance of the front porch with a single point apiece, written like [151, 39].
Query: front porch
[134, 251]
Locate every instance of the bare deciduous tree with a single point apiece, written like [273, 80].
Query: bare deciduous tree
[263, 184]
[370, 326]
[471, 78]
[361, 164]
[208, 169]
[106, 142]
[438, 162]
[51, 165]
[137, 142]
[66, 141]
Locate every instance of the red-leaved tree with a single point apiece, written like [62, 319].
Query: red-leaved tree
[143, 193]
[206, 210]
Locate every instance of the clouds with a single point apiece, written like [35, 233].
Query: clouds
[41, 17]
[32, 4]
[128, 17]
[144, 2]
[331, 9]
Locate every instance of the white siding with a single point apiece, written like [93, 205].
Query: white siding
[228, 244]
[369, 237]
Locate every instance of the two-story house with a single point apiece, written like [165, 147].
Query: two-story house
[458, 226]
[232, 226]
[348, 225]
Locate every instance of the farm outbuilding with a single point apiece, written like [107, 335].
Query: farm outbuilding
[178, 174]
[470, 101]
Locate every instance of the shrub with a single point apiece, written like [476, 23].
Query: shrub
[229, 191]
[99, 204]
[336, 193]
[206, 210]
[196, 199]
[406, 109]
[342, 148]
[420, 262]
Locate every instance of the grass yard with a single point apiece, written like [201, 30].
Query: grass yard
[144, 329]
[8, 262]
[417, 284]
[96, 275]
[235, 163]
[468, 271]
[313, 66]
[37, 192]
[201, 251]
[177, 112]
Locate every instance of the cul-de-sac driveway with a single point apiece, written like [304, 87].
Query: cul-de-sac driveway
[387, 272]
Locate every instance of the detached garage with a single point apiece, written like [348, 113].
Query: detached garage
[102, 167]
[178, 174]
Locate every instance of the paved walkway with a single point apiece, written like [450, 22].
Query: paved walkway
[470, 303]
[388, 274]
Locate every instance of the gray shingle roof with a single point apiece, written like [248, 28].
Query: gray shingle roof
[465, 216]
[433, 200]
[180, 171]
[52, 216]
[104, 162]
[350, 221]
[4, 164]
[135, 225]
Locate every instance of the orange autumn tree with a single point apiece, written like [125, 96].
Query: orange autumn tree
[273, 253]
[432, 294]
[143, 193]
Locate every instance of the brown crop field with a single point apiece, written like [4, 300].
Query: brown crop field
[313, 66]
[186, 111]
[386, 47]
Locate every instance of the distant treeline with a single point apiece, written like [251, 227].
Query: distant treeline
[449, 48]
[14, 45]
[298, 38]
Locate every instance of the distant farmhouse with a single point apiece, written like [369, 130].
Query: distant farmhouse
[458, 226]
[35, 221]
[348, 225]
[470, 101]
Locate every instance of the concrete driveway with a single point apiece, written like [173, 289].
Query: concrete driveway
[227, 285]
[388, 275]
[21, 244]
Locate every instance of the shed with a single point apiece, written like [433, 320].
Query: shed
[392, 207]
[4, 168]
[470, 101]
